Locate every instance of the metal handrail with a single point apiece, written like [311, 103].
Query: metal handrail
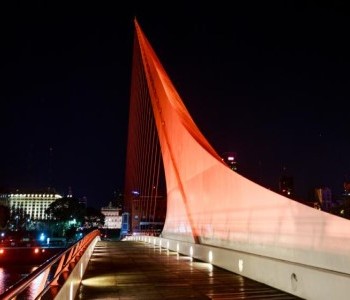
[57, 265]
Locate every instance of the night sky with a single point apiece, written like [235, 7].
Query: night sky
[267, 81]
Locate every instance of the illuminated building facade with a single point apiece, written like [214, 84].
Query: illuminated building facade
[113, 217]
[33, 206]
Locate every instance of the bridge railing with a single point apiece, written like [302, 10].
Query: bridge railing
[48, 279]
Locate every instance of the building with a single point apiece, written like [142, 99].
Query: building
[230, 158]
[113, 217]
[83, 201]
[148, 214]
[324, 197]
[286, 186]
[30, 205]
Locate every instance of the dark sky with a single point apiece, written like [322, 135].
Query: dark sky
[268, 81]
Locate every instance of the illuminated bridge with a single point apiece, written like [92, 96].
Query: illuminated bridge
[234, 233]
[215, 213]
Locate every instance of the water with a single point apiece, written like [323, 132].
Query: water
[18, 262]
[10, 274]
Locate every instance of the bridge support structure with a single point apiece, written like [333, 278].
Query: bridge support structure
[249, 229]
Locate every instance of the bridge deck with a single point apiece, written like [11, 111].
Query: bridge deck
[134, 270]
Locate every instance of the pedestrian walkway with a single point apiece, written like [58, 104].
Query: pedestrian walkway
[129, 270]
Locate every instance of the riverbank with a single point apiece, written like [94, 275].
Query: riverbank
[27, 255]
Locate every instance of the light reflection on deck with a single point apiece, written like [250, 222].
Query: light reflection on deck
[137, 270]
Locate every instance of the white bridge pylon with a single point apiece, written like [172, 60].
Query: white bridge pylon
[280, 242]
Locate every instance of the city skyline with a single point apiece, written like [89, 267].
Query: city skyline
[267, 82]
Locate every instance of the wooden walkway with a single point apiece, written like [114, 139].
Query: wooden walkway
[135, 270]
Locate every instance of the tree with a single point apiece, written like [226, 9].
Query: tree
[4, 215]
[94, 218]
[18, 218]
[66, 209]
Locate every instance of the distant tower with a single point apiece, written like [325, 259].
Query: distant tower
[347, 187]
[118, 198]
[324, 197]
[70, 193]
[83, 201]
[286, 184]
[50, 171]
[230, 158]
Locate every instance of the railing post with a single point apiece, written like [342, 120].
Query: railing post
[58, 271]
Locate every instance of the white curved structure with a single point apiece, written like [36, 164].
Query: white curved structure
[248, 228]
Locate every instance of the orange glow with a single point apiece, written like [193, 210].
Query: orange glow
[209, 204]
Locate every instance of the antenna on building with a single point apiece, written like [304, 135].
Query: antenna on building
[69, 194]
[50, 171]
